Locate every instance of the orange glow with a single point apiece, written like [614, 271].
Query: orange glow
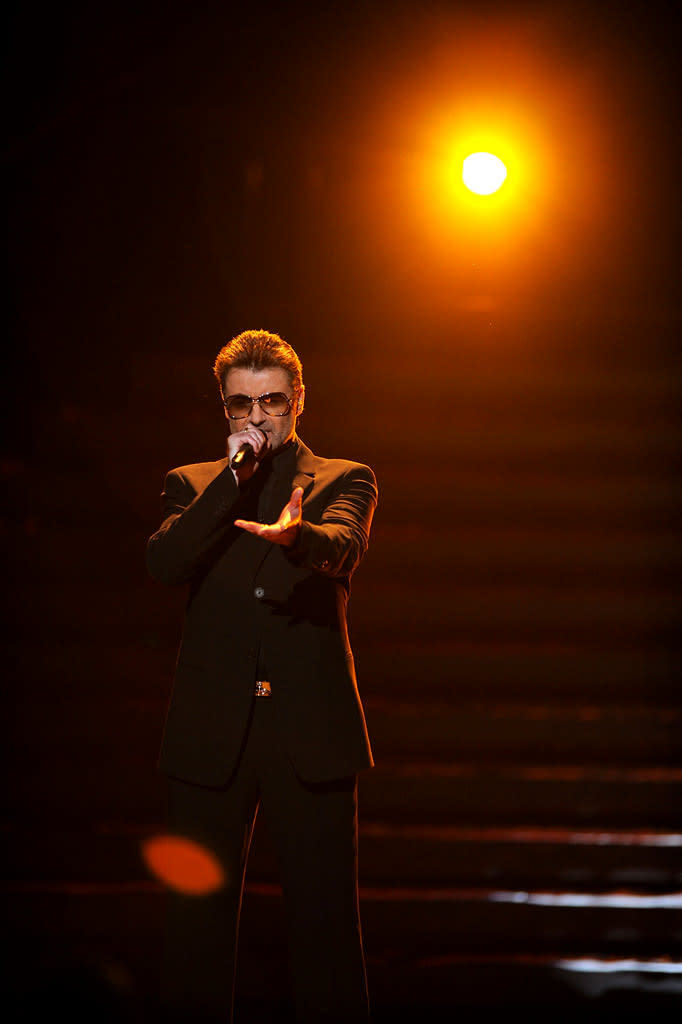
[508, 88]
[182, 864]
[497, 216]
[483, 173]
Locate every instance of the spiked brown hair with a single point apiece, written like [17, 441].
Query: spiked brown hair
[258, 350]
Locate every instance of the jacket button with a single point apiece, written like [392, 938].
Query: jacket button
[259, 592]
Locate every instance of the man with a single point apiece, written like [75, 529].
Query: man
[265, 707]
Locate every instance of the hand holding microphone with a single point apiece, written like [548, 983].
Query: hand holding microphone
[243, 449]
[244, 455]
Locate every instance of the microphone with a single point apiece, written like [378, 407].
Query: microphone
[242, 456]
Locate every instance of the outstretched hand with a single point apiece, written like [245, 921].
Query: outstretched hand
[285, 530]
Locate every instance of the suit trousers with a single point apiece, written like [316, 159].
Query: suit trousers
[313, 827]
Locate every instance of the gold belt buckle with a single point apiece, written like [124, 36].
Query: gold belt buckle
[263, 688]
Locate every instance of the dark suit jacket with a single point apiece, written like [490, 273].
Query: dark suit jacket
[249, 597]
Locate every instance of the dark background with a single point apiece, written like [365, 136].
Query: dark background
[175, 174]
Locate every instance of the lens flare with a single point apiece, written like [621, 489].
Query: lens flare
[182, 864]
[483, 173]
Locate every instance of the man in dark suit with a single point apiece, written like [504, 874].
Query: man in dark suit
[265, 707]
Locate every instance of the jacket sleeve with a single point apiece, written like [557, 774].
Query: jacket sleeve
[336, 543]
[193, 525]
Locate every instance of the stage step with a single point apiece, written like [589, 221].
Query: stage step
[432, 947]
[392, 853]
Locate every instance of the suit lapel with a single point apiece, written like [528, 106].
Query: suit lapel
[284, 483]
[303, 475]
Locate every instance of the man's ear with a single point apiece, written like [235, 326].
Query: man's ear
[300, 400]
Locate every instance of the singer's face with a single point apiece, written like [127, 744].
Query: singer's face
[253, 383]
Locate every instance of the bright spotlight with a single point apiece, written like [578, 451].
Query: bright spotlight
[483, 173]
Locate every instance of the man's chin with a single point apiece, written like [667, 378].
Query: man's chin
[277, 446]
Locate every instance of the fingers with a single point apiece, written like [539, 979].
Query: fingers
[289, 519]
[266, 530]
[255, 437]
[249, 435]
[277, 533]
[291, 513]
[244, 524]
